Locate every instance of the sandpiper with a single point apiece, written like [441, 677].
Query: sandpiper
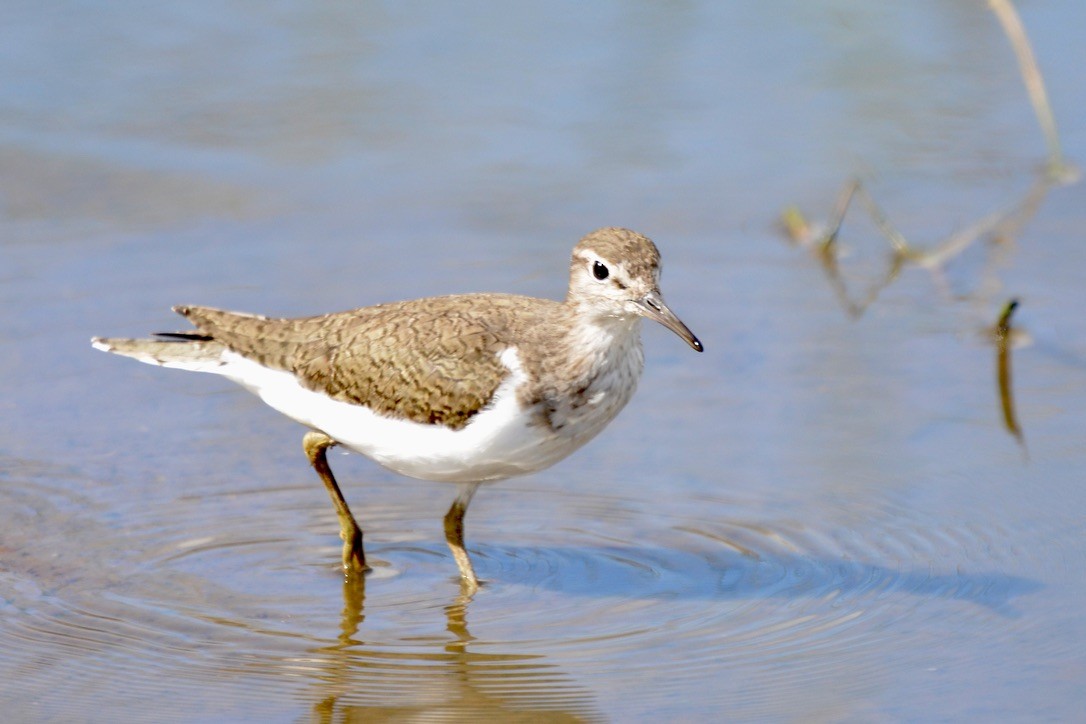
[469, 389]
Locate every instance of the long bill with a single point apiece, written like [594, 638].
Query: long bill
[652, 306]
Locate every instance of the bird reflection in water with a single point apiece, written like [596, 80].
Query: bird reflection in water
[440, 678]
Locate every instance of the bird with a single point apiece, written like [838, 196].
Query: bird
[469, 388]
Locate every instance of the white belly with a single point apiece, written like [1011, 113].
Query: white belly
[500, 442]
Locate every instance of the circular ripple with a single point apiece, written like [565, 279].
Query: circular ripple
[730, 585]
[243, 587]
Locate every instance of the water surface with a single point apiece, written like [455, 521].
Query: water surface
[824, 517]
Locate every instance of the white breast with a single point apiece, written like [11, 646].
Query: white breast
[616, 363]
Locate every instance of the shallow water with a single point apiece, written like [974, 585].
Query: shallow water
[824, 517]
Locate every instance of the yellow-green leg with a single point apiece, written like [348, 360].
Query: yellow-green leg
[454, 535]
[316, 445]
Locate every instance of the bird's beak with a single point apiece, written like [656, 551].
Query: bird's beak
[652, 306]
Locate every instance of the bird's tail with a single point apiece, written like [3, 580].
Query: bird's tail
[194, 352]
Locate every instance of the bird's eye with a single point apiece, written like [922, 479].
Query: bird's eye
[599, 271]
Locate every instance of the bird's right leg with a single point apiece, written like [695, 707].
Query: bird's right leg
[454, 536]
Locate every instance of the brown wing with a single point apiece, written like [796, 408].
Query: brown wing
[432, 361]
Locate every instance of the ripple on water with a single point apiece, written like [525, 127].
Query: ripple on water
[239, 595]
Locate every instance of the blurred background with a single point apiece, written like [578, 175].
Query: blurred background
[858, 504]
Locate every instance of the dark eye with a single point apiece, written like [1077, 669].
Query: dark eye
[599, 271]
